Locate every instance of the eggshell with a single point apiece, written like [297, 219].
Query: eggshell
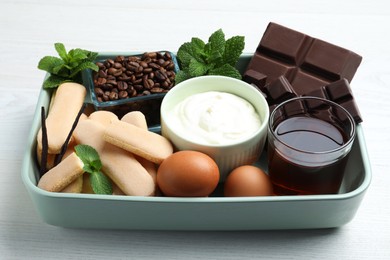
[188, 174]
[247, 180]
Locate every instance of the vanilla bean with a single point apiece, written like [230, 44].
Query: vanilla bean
[45, 148]
[59, 156]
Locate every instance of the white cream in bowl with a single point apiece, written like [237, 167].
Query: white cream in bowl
[215, 117]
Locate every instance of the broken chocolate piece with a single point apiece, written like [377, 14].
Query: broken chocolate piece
[339, 92]
[255, 77]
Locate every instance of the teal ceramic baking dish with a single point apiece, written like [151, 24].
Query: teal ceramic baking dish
[212, 213]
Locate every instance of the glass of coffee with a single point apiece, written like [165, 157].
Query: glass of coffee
[309, 140]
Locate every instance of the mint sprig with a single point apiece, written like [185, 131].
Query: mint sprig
[68, 67]
[216, 57]
[100, 183]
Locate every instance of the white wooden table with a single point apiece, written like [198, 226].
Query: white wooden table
[28, 30]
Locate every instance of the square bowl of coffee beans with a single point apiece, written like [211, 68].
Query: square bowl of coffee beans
[132, 82]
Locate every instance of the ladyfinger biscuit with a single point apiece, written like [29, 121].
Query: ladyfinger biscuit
[136, 118]
[123, 169]
[119, 165]
[103, 117]
[68, 100]
[57, 178]
[90, 132]
[141, 142]
[75, 186]
[87, 188]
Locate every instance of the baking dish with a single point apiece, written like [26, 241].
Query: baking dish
[213, 213]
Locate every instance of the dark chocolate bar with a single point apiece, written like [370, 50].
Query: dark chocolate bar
[308, 65]
[303, 60]
[339, 92]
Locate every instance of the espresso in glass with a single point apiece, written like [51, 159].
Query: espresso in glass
[309, 140]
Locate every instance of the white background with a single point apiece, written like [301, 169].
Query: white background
[28, 30]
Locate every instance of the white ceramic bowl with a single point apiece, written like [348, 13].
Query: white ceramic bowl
[230, 156]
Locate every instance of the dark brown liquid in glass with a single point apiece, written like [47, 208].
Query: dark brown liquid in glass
[310, 135]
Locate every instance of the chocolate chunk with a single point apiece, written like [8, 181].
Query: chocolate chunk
[279, 90]
[255, 77]
[305, 61]
[339, 92]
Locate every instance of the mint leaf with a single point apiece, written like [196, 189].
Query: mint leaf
[182, 75]
[60, 48]
[91, 55]
[60, 70]
[216, 57]
[196, 68]
[100, 183]
[217, 42]
[69, 66]
[197, 45]
[89, 156]
[226, 70]
[84, 66]
[233, 49]
[185, 53]
[77, 55]
[53, 81]
[198, 53]
[48, 63]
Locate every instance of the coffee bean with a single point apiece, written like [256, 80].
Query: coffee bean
[166, 63]
[101, 81]
[138, 80]
[160, 76]
[154, 65]
[165, 84]
[112, 82]
[118, 73]
[157, 90]
[123, 94]
[99, 92]
[113, 95]
[105, 97]
[160, 62]
[119, 58]
[100, 65]
[138, 87]
[117, 65]
[143, 64]
[111, 71]
[122, 85]
[124, 77]
[132, 93]
[167, 56]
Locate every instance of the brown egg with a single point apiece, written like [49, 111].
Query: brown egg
[188, 174]
[247, 180]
